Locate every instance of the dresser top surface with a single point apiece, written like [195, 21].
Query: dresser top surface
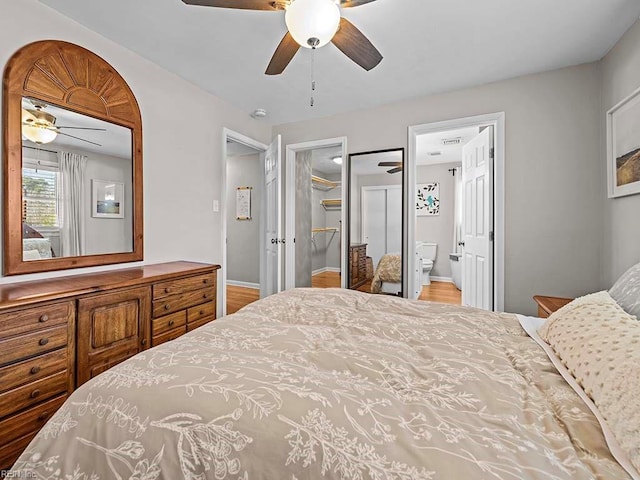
[24, 293]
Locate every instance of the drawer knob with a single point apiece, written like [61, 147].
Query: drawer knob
[144, 341]
[35, 393]
[167, 290]
[205, 296]
[43, 318]
[43, 341]
[206, 280]
[43, 416]
[171, 322]
[167, 307]
[201, 312]
[35, 370]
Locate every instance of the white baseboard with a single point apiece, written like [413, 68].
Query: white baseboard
[442, 279]
[238, 283]
[325, 269]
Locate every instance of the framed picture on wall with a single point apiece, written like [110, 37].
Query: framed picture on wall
[428, 199]
[243, 203]
[107, 199]
[623, 147]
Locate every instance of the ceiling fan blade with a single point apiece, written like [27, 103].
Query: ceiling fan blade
[78, 138]
[286, 50]
[390, 164]
[81, 128]
[356, 46]
[354, 3]
[395, 170]
[242, 4]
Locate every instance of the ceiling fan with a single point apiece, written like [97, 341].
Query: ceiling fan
[311, 24]
[40, 127]
[397, 166]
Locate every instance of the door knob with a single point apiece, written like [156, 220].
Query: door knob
[273, 240]
[461, 243]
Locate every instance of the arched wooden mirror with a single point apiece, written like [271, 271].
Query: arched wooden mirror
[72, 161]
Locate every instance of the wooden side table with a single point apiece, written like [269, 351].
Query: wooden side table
[548, 305]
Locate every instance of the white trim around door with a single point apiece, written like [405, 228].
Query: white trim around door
[498, 122]
[227, 135]
[290, 205]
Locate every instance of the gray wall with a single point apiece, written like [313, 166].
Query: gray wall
[243, 236]
[620, 77]
[554, 183]
[333, 217]
[318, 220]
[108, 235]
[438, 228]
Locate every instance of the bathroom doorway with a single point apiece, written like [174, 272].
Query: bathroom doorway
[457, 228]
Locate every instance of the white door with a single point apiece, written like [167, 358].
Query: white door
[382, 220]
[477, 221]
[273, 223]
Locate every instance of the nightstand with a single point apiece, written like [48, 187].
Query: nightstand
[548, 305]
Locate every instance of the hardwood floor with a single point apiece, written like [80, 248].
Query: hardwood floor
[238, 297]
[444, 292]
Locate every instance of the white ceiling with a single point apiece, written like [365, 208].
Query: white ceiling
[428, 46]
[430, 149]
[322, 160]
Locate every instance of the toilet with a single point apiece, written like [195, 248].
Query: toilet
[427, 252]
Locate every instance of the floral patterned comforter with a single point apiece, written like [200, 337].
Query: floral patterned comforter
[329, 384]
[389, 269]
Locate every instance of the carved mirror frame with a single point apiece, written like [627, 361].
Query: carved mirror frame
[71, 77]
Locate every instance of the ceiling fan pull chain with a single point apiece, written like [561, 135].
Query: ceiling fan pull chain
[313, 81]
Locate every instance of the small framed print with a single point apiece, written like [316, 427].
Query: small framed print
[107, 199]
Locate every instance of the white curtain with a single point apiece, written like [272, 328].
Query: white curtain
[457, 217]
[71, 203]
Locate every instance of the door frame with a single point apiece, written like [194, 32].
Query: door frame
[228, 134]
[290, 206]
[498, 121]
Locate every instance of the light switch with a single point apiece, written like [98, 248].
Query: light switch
[216, 205]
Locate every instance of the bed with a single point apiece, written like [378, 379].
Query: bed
[388, 275]
[334, 384]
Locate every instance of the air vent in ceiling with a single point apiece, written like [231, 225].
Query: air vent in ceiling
[435, 153]
[452, 141]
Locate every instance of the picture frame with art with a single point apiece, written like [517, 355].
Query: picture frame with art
[428, 199]
[623, 147]
[107, 199]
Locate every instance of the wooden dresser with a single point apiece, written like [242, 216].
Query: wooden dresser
[56, 334]
[357, 265]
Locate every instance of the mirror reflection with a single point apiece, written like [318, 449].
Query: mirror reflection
[76, 184]
[375, 221]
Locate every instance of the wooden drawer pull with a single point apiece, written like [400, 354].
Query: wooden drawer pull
[35, 370]
[206, 280]
[171, 322]
[43, 341]
[43, 416]
[43, 318]
[35, 393]
[144, 341]
[205, 296]
[167, 307]
[167, 290]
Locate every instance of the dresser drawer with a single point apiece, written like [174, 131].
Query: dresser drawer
[29, 421]
[169, 335]
[180, 302]
[182, 285]
[195, 314]
[32, 393]
[33, 369]
[168, 322]
[24, 346]
[29, 319]
[193, 325]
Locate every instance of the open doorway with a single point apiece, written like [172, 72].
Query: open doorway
[457, 243]
[252, 242]
[314, 214]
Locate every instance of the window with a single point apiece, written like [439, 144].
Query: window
[40, 196]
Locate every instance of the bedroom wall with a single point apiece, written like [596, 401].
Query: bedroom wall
[620, 77]
[182, 137]
[438, 228]
[553, 171]
[243, 236]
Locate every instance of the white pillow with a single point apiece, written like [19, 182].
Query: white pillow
[626, 291]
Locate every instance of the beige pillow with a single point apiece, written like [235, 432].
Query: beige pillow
[599, 343]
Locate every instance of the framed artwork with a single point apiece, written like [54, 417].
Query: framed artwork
[623, 147]
[107, 199]
[428, 199]
[243, 203]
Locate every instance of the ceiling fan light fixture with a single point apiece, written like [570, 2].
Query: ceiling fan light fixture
[312, 23]
[337, 160]
[37, 126]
